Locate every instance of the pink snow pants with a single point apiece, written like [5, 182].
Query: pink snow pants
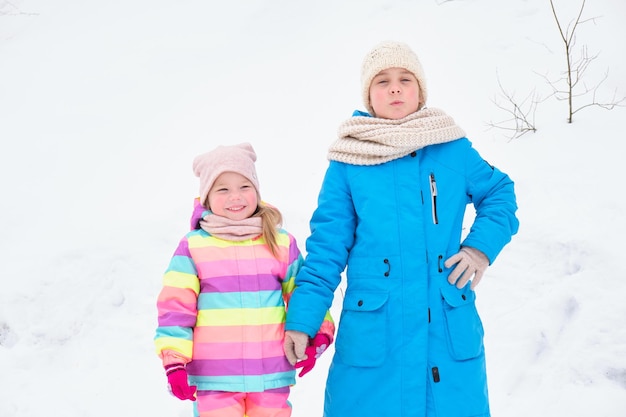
[270, 403]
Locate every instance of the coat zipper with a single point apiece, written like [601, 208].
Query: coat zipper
[433, 197]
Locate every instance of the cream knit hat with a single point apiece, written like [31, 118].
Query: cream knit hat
[236, 158]
[390, 54]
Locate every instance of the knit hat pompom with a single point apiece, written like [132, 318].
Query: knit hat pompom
[390, 54]
[234, 158]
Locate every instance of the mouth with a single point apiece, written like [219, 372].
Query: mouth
[396, 103]
[236, 209]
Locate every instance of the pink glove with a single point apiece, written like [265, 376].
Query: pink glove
[318, 345]
[177, 379]
[469, 262]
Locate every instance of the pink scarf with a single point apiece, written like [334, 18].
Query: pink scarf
[227, 229]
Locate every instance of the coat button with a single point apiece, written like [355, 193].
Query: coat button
[360, 303]
[413, 154]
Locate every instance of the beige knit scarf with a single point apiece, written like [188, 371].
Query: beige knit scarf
[371, 141]
[227, 229]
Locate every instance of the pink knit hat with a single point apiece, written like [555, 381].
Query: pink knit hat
[236, 158]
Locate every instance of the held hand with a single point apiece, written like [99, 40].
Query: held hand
[318, 345]
[295, 345]
[469, 262]
[177, 379]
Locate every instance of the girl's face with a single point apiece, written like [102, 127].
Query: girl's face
[394, 93]
[233, 196]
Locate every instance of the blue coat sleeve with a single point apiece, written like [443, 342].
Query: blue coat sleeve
[493, 196]
[332, 235]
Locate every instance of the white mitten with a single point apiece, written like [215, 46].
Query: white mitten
[469, 262]
[295, 345]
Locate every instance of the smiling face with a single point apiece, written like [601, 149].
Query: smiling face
[233, 196]
[394, 93]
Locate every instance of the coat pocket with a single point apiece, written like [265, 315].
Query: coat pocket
[361, 337]
[464, 328]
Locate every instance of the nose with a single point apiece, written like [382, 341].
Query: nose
[234, 195]
[394, 90]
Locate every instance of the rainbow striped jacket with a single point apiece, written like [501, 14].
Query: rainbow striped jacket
[223, 307]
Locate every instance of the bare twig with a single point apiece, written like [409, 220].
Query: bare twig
[575, 70]
[521, 118]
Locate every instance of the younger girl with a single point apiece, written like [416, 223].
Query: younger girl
[223, 304]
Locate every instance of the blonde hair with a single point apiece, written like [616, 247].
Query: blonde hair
[271, 221]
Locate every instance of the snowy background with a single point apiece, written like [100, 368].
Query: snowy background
[104, 105]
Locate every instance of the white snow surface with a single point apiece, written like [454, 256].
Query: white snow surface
[104, 104]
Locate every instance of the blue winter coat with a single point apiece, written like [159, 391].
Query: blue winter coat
[408, 343]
